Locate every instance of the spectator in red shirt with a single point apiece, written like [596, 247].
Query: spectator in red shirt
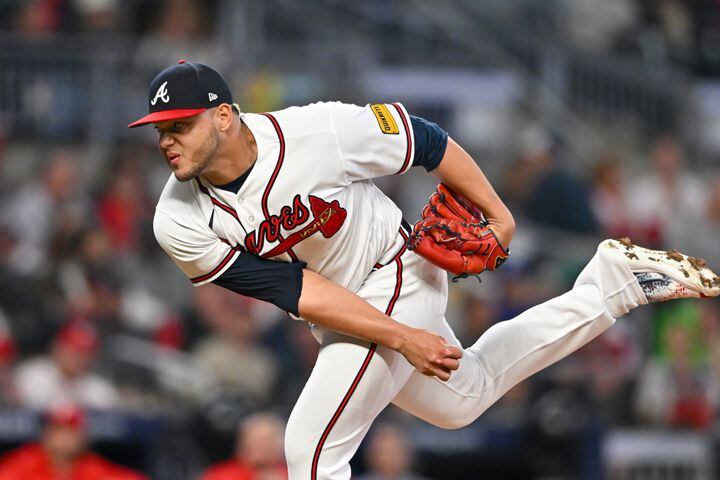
[62, 454]
[258, 453]
[122, 207]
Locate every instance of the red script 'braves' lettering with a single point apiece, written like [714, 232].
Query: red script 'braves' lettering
[269, 229]
[327, 219]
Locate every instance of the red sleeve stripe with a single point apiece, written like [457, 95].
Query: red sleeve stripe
[273, 177]
[408, 135]
[215, 270]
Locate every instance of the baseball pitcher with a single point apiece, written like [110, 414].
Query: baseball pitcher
[282, 207]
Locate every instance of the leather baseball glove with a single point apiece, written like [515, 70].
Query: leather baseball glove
[454, 235]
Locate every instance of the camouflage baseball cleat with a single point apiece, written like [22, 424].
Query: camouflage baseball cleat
[667, 275]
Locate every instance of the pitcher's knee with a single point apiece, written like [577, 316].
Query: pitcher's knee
[453, 423]
[452, 420]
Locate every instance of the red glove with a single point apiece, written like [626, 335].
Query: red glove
[454, 235]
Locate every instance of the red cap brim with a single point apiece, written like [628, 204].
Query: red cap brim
[166, 115]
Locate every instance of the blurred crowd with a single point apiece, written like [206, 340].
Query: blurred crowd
[95, 318]
[658, 31]
[108, 16]
[94, 314]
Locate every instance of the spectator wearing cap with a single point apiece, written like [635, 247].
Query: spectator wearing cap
[62, 453]
[258, 452]
[66, 376]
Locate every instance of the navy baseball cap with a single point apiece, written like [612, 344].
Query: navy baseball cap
[184, 90]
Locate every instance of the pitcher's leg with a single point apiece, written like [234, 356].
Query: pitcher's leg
[351, 384]
[513, 350]
[353, 381]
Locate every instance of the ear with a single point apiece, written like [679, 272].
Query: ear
[224, 117]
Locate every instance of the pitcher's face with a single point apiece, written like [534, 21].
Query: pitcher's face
[188, 144]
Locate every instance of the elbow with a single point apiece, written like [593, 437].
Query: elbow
[505, 229]
[511, 225]
[506, 220]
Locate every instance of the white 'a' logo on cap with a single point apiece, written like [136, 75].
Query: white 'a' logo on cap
[162, 94]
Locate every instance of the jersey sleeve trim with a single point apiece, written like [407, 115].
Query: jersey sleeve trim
[430, 143]
[407, 127]
[224, 264]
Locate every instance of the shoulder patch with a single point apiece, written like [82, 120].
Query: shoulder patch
[385, 119]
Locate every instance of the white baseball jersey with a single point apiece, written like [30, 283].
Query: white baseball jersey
[308, 197]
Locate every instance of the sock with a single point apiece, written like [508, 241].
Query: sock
[658, 287]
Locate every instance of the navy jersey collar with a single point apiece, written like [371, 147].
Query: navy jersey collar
[237, 184]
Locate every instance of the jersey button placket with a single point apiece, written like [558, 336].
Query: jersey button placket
[241, 201]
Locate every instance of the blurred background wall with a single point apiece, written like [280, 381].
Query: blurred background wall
[591, 118]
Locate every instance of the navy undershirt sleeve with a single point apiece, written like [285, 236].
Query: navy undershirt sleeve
[430, 143]
[279, 283]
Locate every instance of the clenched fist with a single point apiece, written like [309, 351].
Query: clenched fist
[429, 353]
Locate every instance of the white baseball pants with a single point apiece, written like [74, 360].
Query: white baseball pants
[353, 381]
